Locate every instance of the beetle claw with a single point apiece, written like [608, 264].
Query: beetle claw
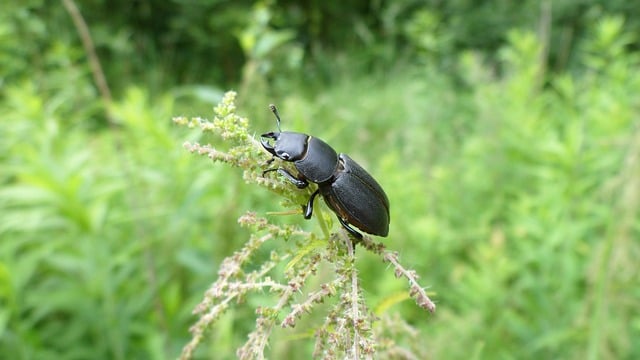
[270, 161]
[269, 170]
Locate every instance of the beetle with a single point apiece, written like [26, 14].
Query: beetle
[348, 190]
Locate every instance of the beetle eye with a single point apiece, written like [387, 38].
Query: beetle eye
[283, 155]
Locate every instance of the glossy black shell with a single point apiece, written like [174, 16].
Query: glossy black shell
[347, 188]
[320, 161]
[357, 197]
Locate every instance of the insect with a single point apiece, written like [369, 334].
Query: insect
[349, 191]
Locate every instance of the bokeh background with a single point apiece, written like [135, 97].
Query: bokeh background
[506, 134]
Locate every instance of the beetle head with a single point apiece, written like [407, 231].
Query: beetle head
[288, 146]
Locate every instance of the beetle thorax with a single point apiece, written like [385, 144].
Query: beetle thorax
[320, 162]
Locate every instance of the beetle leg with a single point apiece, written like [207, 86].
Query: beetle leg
[268, 162]
[269, 170]
[308, 209]
[299, 183]
[351, 230]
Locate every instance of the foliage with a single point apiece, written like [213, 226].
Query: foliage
[510, 157]
[540, 171]
[207, 43]
[348, 328]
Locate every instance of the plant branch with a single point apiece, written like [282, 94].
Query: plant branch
[415, 290]
[94, 61]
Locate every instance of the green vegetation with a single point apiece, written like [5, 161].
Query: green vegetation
[508, 143]
[349, 328]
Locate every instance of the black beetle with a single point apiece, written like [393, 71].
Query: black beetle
[348, 190]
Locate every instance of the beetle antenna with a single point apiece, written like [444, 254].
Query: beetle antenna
[274, 110]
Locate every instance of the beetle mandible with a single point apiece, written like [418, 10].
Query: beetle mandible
[348, 189]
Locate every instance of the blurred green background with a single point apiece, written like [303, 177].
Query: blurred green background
[506, 134]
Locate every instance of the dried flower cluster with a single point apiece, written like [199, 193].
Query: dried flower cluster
[348, 329]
